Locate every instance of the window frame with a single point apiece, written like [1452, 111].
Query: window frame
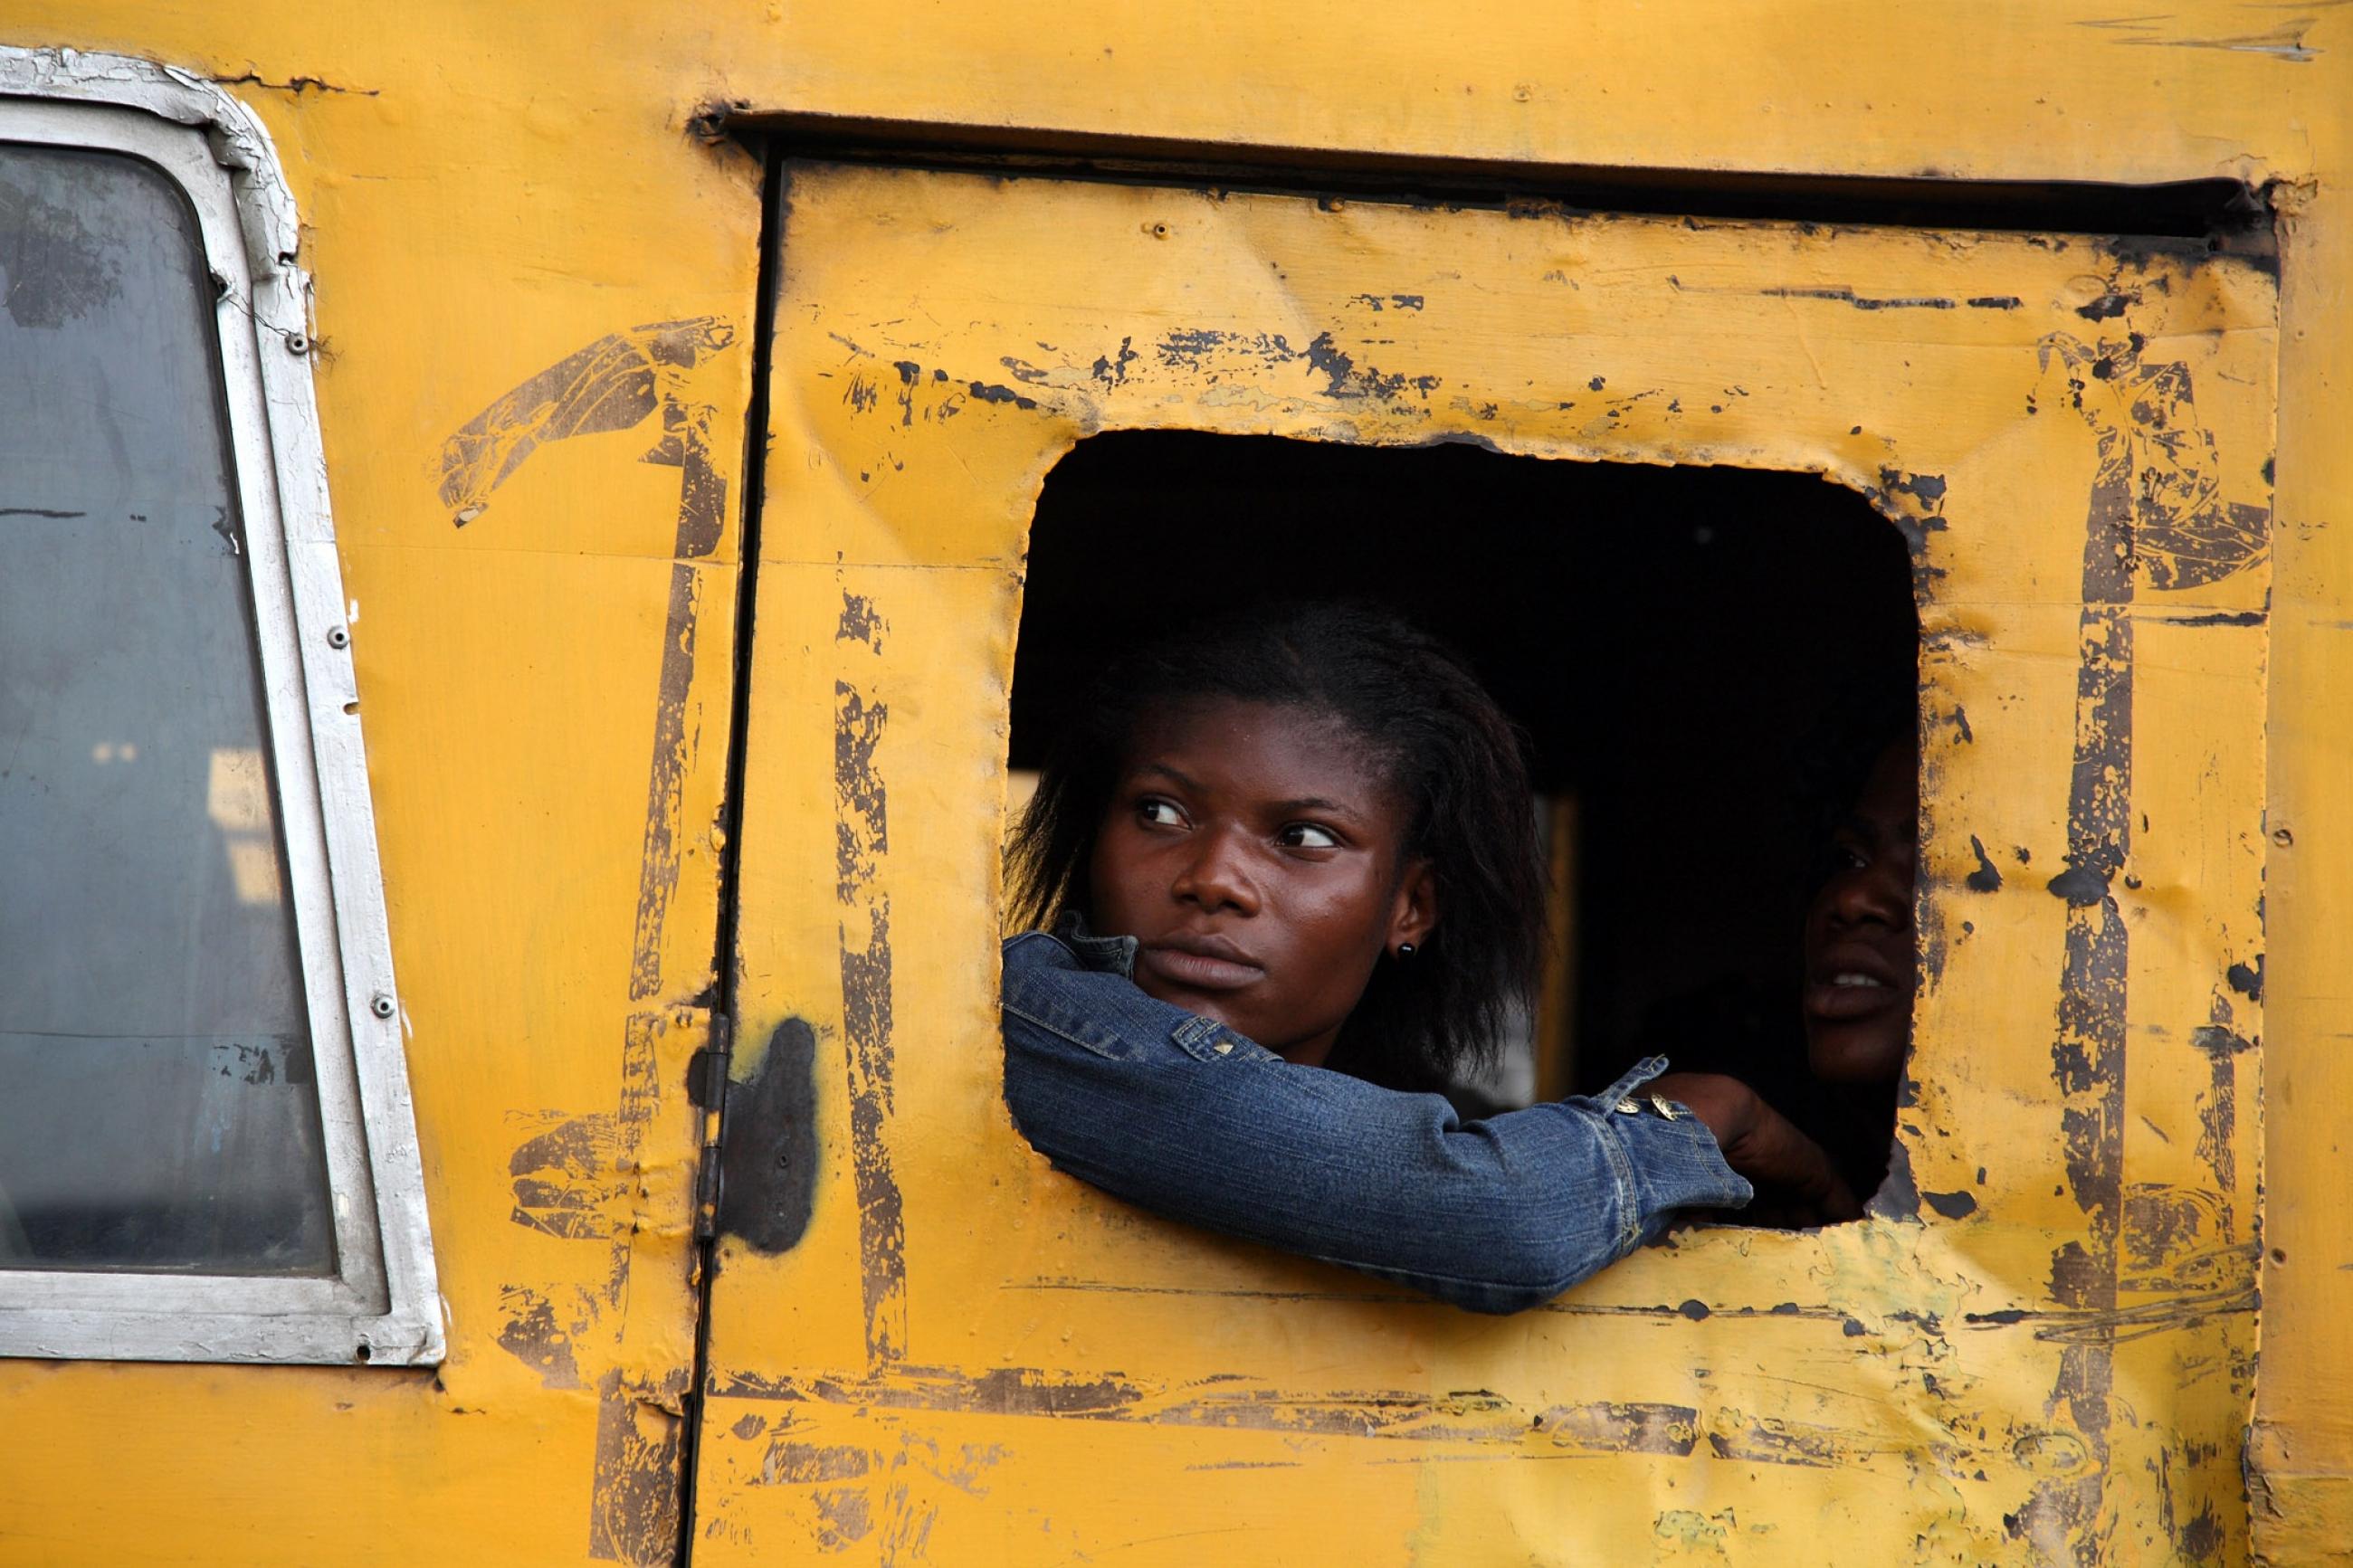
[382, 1305]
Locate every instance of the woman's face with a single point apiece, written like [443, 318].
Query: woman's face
[1259, 862]
[1859, 947]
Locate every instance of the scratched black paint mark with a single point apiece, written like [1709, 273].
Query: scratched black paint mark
[861, 840]
[1863, 301]
[534, 1336]
[1112, 369]
[576, 1180]
[2221, 1043]
[1209, 350]
[617, 384]
[2283, 42]
[634, 1500]
[1343, 380]
[989, 392]
[2247, 979]
[2156, 513]
[2158, 468]
[1228, 1404]
[768, 1161]
[1986, 878]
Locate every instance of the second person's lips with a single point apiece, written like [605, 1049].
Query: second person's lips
[1851, 981]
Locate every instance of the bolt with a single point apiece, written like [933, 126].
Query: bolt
[339, 637]
[382, 1006]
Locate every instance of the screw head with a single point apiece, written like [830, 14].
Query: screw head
[339, 637]
[382, 1006]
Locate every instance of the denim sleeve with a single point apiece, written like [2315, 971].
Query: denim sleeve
[1182, 1116]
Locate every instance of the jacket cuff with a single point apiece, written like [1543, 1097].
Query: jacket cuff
[1671, 1160]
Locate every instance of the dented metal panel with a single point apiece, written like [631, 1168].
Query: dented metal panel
[2041, 1344]
[487, 194]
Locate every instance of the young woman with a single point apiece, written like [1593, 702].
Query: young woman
[1290, 864]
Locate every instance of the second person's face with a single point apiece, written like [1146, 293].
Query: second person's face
[1859, 944]
[1259, 862]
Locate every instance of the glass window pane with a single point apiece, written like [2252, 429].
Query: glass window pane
[157, 1108]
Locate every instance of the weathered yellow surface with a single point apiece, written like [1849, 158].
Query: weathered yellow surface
[962, 1334]
[996, 1365]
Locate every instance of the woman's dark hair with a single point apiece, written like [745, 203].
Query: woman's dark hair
[1440, 741]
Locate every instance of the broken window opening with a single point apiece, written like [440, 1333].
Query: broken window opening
[1702, 659]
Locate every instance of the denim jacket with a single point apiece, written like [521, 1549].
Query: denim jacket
[1182, 1116]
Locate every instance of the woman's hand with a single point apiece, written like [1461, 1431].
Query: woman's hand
[1795, 1183]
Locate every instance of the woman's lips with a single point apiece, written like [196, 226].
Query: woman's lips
[1199, 971]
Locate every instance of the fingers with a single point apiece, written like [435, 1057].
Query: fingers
[1798, 1187]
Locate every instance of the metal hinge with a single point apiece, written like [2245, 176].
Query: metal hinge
[706, 1086]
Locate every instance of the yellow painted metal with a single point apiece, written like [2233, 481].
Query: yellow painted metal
[970, 1351]
[490, 191]
[465, 240]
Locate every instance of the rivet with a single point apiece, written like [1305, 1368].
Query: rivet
[381, 1004]
[2283, 838]
[339, 637]
[296, 343]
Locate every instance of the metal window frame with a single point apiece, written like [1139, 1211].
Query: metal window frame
[383, 1305]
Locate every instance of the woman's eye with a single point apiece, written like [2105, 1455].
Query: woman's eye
[1159, 814]
[1307, 835]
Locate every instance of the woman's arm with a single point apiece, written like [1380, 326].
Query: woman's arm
[1180, 1115]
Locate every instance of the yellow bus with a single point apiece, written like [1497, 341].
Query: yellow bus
[537, 544]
